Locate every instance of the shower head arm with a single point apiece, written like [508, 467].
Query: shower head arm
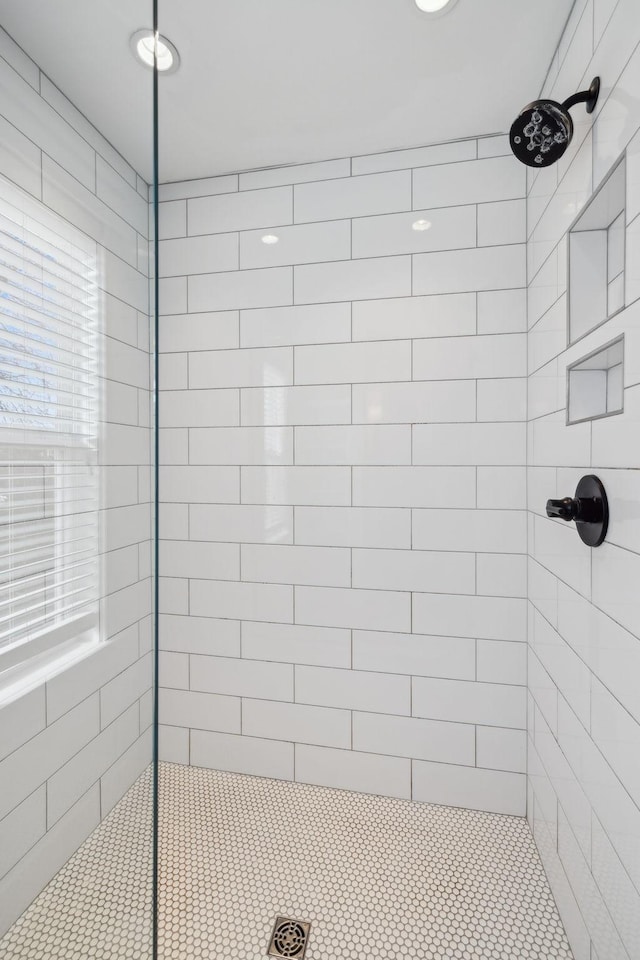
[590, 97]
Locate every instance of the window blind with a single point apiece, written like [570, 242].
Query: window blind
[48, 427]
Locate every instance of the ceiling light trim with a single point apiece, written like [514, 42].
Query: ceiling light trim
[142, 43]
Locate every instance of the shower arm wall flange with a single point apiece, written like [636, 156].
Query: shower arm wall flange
[589, 97]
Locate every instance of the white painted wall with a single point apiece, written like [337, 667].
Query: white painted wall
[71, 747]
[584, 628]
[343, 553]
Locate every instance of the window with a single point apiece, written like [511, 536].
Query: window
[48, 433]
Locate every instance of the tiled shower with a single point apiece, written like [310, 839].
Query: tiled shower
[373, 372]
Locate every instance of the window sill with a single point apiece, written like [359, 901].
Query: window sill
[23, 677]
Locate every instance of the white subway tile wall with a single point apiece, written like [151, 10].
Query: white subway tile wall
[70, 748]
[584, 621]
[344, 560]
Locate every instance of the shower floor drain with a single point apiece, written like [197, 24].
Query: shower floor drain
[289, 938]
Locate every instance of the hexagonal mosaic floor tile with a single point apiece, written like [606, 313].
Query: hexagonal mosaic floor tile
[375, 877]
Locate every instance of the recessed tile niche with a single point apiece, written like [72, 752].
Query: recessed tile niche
[596, 383]
[596, 257]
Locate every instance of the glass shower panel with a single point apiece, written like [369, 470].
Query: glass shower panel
[76, 482]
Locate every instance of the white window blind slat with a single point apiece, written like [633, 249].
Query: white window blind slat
[48, 428]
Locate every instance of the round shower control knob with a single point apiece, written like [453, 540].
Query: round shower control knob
[589, 508]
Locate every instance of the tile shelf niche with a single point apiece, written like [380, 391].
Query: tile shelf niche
[595, 383]
[597, 256]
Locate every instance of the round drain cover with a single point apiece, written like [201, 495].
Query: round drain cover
[289, 938]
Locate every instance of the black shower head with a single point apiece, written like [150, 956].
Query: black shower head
[541, 132]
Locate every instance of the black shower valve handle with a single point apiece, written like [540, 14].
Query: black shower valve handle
[566, 509]
[586, 509]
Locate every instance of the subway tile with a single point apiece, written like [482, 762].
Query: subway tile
[190, 255]
[239, 289]
[491, 618]
[198, 188]
[172, 297]
[21, 719]
[173, 744]
[473, 444]
[502, 311]
[173, 670]
[472, 787]
[286, 326]
[473, 181]
[242, 678]
[617, 735]
[357, 445]
[241, 523]
[414, 738]
[25, 109]
[310, 486]
[501, 222]
[348, 770]
[204, 635]
[200, 408]
[296, 721]
[182, 484]
[504, 399]
[270, 366]
[24, 770]
[451, 228]
[127, 688]
[199, 331]
[491, 704]
[174, 372]
[62, 192]
[315, 566]
[71, 781]
[500, 661]
[417, 157]
[121, 196]
[208, 561]
[172, 217]
[360, 609]
[501, 574]
[353, 527]
[293, 643]
[299, 173]
[470, 357]
[353, 196]
[456, 271]
[450, 657]
[240, 445]
[303, 243]
[419, 570]
[21, 829]
[250, 755]
[442, 400]
[493, 147]
[272, 406]
[350, 280]
[20, 159]
[238, 601]
[353, 362]
[476, 530]
[239, 211]
[415, 317]
[414, 486]
[499, 749]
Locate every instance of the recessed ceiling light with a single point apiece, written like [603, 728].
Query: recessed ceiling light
[434, 6]
[270, 238]
[146, 46]
[421, 225]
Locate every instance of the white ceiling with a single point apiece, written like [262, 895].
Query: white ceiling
[266, 82]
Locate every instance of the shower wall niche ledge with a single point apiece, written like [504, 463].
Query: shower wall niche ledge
[597, 257]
